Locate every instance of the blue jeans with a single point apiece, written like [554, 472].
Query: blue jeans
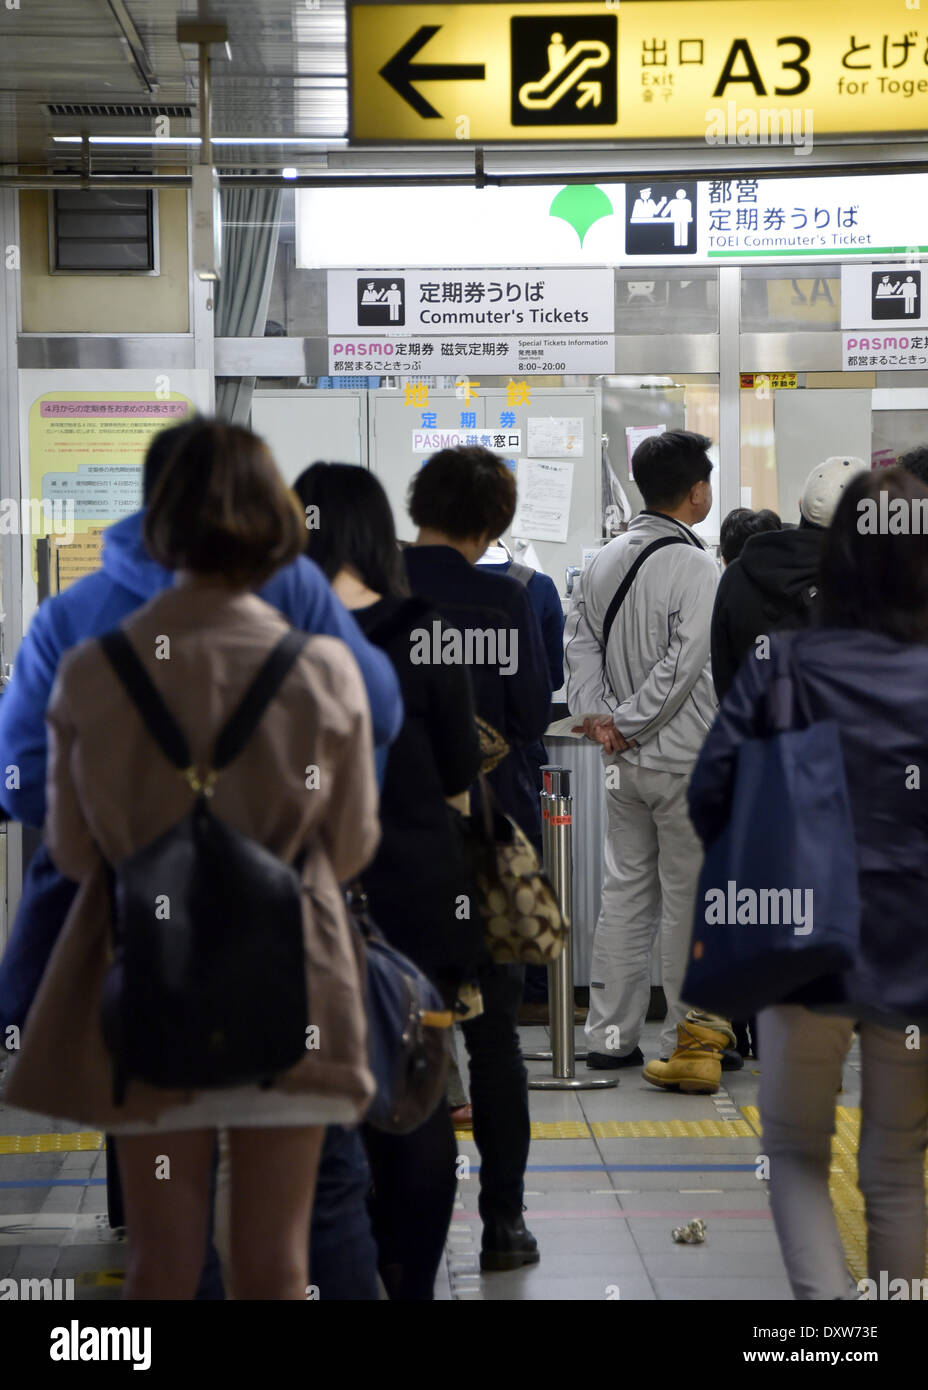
[343, 1255]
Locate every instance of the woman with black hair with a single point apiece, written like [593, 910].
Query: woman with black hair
[416, 880]
[864, 665]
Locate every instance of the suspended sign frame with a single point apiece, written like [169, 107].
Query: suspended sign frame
[723, 73]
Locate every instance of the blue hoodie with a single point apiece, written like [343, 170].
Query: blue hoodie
[98, 603]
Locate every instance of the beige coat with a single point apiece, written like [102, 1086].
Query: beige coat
[109, 786]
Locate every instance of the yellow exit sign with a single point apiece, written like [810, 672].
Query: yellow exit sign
[724, 71]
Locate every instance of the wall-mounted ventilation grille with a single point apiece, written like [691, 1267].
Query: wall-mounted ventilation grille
[118, 110]
[105, 232]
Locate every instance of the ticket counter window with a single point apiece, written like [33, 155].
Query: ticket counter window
[800, 410]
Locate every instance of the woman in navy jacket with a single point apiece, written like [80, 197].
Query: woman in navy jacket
[865, 666]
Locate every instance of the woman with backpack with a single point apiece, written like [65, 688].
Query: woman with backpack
[166, 749]
[864, 666]
[417, 879]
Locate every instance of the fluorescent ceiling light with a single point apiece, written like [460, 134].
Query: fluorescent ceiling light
[289, 173]
[128, 139]
[193, 140]
[279, 140]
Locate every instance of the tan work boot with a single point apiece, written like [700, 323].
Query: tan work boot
[696, 1065]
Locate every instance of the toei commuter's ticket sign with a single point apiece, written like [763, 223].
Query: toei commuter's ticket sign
[635, 70]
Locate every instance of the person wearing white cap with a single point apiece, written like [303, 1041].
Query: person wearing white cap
[773, 584]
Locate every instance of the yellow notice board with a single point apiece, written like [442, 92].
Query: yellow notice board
[642, 69]
[85, 469]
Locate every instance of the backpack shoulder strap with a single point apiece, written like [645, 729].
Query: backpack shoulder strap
[520, 573]
[161, 723]
[257, 697]
[621, 592]
[144, 694]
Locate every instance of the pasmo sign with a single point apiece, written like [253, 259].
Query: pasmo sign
[353, 349]
[878, 343]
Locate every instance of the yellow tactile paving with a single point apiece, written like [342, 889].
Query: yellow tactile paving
[637, 1129]
[560, 1129]
[565, 1129]
[50, 1143]
[845, 1194]
[672, 1129]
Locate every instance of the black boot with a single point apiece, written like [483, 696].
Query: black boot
[507, 1244]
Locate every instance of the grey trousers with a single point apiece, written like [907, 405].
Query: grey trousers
[802, 1054]
[651, 862]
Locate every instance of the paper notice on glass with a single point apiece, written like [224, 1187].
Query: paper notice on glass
[554, 436]
[543, 508]
[633, 437]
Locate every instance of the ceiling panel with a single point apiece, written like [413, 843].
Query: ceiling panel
[286, 76]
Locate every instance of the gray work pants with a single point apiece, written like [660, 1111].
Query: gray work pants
[651, 863]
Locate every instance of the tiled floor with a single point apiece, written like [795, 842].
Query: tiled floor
[602, 1208]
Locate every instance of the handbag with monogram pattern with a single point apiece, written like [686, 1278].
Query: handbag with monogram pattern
[521, 915]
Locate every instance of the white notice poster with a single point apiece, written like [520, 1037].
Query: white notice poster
[544, 491]
[555, 436]
[633, 437]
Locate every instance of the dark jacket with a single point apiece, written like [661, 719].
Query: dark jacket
[770, 586]
[546, 601]
[517, 704]
[419, 870]
[874, 688]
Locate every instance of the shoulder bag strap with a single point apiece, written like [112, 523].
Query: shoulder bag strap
[787, 705]
[621, 592]
[257, 697]
[144, 694]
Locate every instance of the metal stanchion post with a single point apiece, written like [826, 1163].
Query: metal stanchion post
[546, 798]
[557, 822]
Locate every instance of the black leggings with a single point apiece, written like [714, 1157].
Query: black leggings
[414, 1182]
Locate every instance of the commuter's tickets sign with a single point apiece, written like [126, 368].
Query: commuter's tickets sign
[454, 302]
[460, 322]
[645, 70]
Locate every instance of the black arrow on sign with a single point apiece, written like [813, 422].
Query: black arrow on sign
[400, 72]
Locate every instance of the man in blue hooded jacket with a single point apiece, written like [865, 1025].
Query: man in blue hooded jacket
[90, 607]
[98, 603]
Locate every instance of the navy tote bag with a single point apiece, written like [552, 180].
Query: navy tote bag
[778, 903]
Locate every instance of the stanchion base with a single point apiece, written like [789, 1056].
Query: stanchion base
[571, 1083]
[549, 1056]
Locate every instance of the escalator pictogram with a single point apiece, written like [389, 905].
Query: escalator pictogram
[564, 70]
[567, 66]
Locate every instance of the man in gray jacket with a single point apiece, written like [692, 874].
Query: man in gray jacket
[637, 652]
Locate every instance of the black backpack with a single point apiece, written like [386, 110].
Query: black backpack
[207, 986]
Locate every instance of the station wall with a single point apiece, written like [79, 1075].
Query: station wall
[93, 303]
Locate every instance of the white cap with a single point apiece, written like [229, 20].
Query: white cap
[824, 486]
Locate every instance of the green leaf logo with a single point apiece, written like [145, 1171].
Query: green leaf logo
[581, 205]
